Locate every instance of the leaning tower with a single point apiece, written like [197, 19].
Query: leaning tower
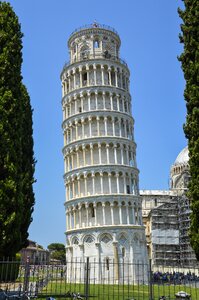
[103, 206]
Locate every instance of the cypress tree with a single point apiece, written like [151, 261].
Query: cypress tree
[16, 144]
[190, 66]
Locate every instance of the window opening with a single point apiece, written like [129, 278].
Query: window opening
[85, 78]
[128, 189]
[96, 44]
[92, 212]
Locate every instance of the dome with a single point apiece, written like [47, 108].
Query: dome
[183, 157]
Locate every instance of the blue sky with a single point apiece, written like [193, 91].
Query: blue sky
[149, 32]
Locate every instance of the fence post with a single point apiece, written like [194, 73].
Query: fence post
[87, 279]
[26, 275]
[150, 280]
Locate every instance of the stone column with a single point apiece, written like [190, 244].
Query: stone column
[109, 183]
[112, 217]
[82, 122]
[69, 190]
[103, 97]
[87, 219]
[113, 125]
[123, 109]
[111, 99]
[70, 107]
[82, 102]
[116, 262]
[109, 75]
[98, 131]
[80, 77]
[127, 155]
[91, 150]
[69, 82]
[78, 184]
[95, 212]
[77, 153]
[118, 102]
[120, 213]
[80, 215]
[133, 213]
[74, 78]
[88, 75]
[103, 213]
[90, 128]
[74, 217]
[105, 125]
[101, 183]
[107, 153]
[67, 220]
[116, 81]
[100, 153]
[85, 184]
[124, 176]
[117, 180]
[65, 164]
[122, 154]
[95, 79]
[120, 128]
[76, 129]
[125, 129]
[73, 186]
[121, 80]
[89, 101]
[115, 153]
[96, 106]
[70, 212]
[93, 182]
[127, 212]
[98, 263]
[133, 279]
[102, 70]
[75, 100]
[84, 156]
[81, 246]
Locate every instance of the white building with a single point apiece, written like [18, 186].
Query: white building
[103, 206]
[166, 215]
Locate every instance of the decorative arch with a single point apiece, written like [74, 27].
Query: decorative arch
[88, 239]
[106, 238]
[75, 241]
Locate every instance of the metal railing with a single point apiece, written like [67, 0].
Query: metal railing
[94, 25]
[105, 279]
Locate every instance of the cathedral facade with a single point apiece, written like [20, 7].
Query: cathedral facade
[103, 205]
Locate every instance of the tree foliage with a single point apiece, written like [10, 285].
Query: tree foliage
[16, 142]
[190, 66]
[57, 251]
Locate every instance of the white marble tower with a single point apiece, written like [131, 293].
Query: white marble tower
[103, 206]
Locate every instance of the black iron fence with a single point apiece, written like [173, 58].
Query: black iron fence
[97, 279]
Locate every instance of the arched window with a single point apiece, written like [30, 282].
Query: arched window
[106, 238]
[85, 52]
[96, 43]
[75, 241]
[89, 239]
[92, 212]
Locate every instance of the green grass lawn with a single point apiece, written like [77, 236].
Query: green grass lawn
[118, 292]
